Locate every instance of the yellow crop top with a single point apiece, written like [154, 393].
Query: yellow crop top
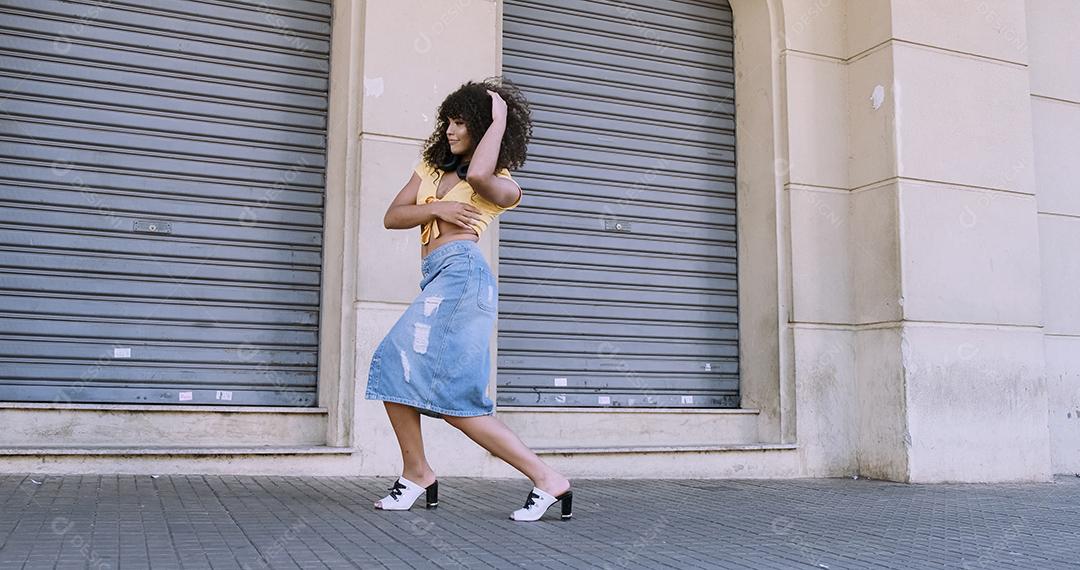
[461, 192]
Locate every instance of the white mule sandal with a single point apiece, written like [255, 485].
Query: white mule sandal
[539, 501]
[404, 493]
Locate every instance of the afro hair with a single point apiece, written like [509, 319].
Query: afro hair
[472, 104]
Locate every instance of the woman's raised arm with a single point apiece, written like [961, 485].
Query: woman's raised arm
[481, 176]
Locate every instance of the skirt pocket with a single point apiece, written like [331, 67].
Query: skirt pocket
[487, 290]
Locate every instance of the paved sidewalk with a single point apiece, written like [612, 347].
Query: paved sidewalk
[211, 521]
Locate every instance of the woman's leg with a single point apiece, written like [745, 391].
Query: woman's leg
[406, 422]
[494, 436]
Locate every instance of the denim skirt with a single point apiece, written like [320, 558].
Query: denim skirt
[436, 357]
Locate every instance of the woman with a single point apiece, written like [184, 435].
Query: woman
[435, 359]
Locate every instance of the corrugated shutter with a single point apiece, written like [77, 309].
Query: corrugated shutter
[618, 271]
[162, 195]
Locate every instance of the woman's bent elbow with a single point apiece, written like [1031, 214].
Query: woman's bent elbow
[392, 223]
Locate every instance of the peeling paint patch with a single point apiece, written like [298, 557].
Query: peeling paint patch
[405, 365]
[431, 304]
[421, 333]
[373, 86]
[877, 97]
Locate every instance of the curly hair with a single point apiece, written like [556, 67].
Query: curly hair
[472, 104]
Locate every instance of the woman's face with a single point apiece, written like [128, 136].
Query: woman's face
[458, 136]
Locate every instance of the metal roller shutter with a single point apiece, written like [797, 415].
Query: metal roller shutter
[618, 272]
[162, 195]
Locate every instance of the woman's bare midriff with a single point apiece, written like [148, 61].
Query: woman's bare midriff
[454, 234]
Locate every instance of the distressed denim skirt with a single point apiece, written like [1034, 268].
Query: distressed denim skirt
[436, 357]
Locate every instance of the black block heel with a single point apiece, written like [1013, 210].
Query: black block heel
[433, 495]
[567, 500]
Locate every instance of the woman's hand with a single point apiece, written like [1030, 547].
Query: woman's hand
[458, 213]
[498, 106]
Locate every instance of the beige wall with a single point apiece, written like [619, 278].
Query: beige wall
[916, 283]
[970, 345]
[1055, 108]
[907, 224]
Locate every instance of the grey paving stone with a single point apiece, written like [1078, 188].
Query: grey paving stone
[197, 521]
